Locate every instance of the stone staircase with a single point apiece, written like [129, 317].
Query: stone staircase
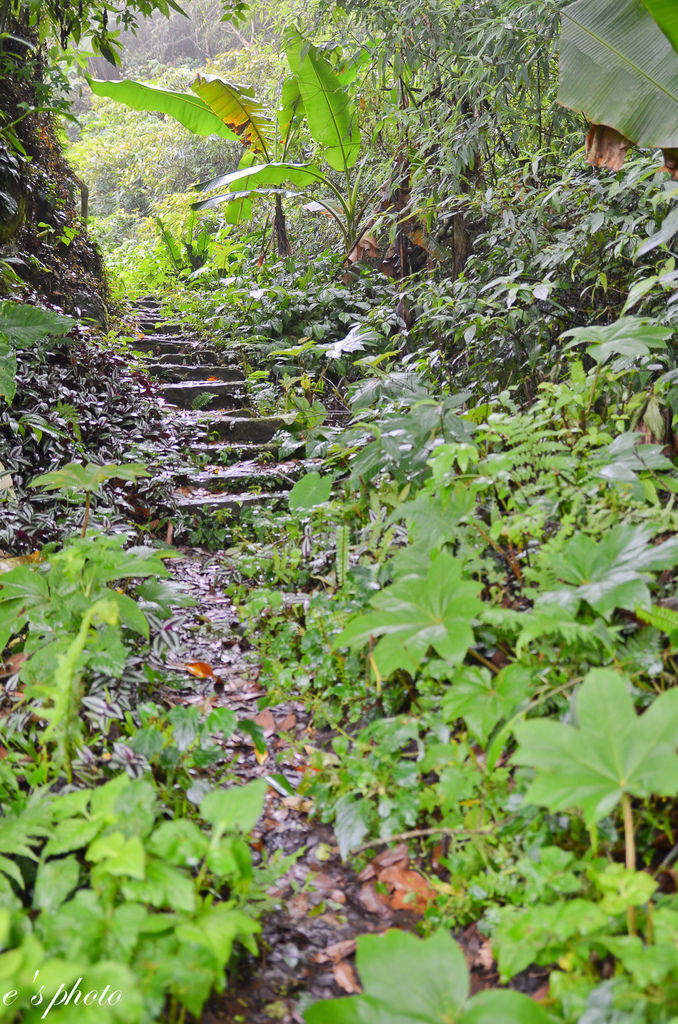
[205, 392]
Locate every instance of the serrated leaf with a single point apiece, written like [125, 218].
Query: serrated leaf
[413, 615]
[236, 809]
[611, 573]
[24, 324]
[609, 752]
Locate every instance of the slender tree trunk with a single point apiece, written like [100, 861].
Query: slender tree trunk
[280, 229]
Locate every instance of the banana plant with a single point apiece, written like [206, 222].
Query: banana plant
[619, 64]
[313, 89]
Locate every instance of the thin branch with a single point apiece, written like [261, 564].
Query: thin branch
[422, 833]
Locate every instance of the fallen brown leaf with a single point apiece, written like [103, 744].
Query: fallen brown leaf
[335, 952]
[266, 720]
[408, 890]
[200, 669]
[344, 975]
[373, 901]
[288, 723]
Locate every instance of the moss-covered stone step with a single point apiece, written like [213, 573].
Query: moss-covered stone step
[233, 429]
[230, 454]
[161, 345]
[194, 371]
[203, 502]
[250, 474]
[188, 355]
[221, 394]
[158, 325]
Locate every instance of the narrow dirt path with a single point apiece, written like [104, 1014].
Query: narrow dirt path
[322, 905]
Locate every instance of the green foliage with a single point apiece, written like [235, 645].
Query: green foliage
[407, 979]
[619, 67]
[310, 491]
[610, 752]
[191, 111]
[418, 612]
[136, 897]
[21, 326]
[75, 478]
[74, 619]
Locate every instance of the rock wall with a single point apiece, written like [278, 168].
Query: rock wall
[43, 238]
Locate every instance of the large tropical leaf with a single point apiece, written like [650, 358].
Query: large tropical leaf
[291, 106]
[665, 13]
[238, 108]
[261, 175]
[618, 67]
[611, 751]
[329, 111]
[191, 111]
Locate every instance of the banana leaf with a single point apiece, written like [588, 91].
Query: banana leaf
[261, 179]
[237, 107]
[191, 111]
[618, 67]
[291, 105]
[665, 13]
[330, 114]
[265, 174]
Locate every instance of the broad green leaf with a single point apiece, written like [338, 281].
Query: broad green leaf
[291, 106]
[130, 613]
[234, 809]
[121, 855]
[611, 573]
[609, 752]
[665, 13]
[483, 700]
[218, 927]
[415, 614]
[7, 371]
[55, 880]
[24, 324]
[75, 477]
[618, 67]
[330, 114]
[180, 842]
[502, 1006]
[310, 491]
[669, 228]
[255, 176]
[630, 338]
[238, 108]
[408, 980]
[189, 110]
[163, 886]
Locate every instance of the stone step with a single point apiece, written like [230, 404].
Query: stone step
[272, 476]
[225, 394]
[232, 429]
[188, 356]
[158, 345]
[203, 502]
[159, 325]
[237, 429]
[230, 454]
[196, 371]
